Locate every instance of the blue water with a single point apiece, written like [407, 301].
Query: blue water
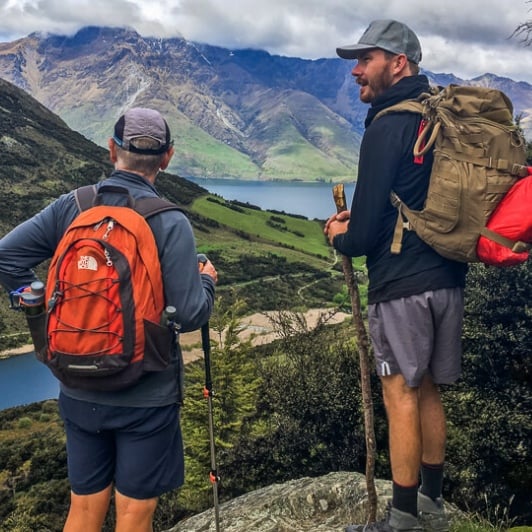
[24, 380]
[313, 200]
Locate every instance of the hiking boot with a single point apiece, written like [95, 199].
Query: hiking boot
[395, 521]
[432, 514]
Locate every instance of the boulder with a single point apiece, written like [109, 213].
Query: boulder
[322, 504]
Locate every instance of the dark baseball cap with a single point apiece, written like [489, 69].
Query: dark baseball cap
[137, 123]
[389, 35]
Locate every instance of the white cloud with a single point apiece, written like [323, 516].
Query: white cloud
[467, 38]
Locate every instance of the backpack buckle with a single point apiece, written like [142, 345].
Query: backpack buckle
[521, 247]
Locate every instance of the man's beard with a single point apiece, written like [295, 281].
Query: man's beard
[377, 86]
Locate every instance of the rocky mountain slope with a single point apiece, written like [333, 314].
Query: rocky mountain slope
[41, 157]
[235, 113]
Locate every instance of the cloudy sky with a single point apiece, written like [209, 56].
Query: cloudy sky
[464, 37]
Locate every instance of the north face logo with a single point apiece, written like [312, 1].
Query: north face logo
[86, 262]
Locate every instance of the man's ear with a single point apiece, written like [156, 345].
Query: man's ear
[400, 62]
[112, 150]
[167, 158]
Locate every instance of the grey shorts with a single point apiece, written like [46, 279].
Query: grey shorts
[419, 334]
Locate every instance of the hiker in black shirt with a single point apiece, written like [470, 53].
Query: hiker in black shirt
[415, 298]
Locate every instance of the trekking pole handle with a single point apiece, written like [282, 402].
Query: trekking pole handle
[206, 340]
[202, 258]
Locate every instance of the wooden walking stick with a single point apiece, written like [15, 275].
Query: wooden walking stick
[363, 351]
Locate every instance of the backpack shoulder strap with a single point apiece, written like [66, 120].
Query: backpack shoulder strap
[415, 106]
[84, 197]
[150, 206]
[406, 106]
[146, 207]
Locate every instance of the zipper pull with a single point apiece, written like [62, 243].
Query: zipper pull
[110, 226]
[108, 259]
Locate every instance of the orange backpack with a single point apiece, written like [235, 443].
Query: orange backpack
[104, 296]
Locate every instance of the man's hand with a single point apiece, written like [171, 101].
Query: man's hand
[336, 224]
[206, 266]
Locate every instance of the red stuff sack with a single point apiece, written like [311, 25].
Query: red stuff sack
[507, 239]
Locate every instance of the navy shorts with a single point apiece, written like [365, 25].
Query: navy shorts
[140, 450]
[419, 334]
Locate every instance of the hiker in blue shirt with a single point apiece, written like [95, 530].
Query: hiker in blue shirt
[129, 440]
[415, 298]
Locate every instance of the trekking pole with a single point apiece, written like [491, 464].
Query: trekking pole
[364, 361]
[208, 393]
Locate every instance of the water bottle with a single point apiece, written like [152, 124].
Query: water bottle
[169, 313]
[32, 301]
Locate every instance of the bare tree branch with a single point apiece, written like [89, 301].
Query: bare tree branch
[524, 30]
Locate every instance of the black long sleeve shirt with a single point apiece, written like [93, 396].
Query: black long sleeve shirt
[387, 163]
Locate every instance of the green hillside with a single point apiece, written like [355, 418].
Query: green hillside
[292, 408]
[277, 229]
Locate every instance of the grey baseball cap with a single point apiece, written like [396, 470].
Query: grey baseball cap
[389, 35]
[140, 122]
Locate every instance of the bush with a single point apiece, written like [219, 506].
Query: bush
[490, 422]
[309, 409]
[24, 423]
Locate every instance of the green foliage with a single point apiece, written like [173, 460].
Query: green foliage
[285, 292]
[42, 507]
[490, 434]
[265, 280]
[234, 398]
[309, 409]
[24, 423]
[489, 519]
[34, 490]
[293, 408]
[342, 299]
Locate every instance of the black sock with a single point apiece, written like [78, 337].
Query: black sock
[431, 480]
[404, 498]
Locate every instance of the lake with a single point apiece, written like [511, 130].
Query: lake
[313, 200]
[24, 380]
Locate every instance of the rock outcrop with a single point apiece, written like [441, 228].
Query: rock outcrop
[324, 504]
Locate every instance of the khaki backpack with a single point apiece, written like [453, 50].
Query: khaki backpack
[479, 153]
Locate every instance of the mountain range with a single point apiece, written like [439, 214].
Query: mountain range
[234, 113]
